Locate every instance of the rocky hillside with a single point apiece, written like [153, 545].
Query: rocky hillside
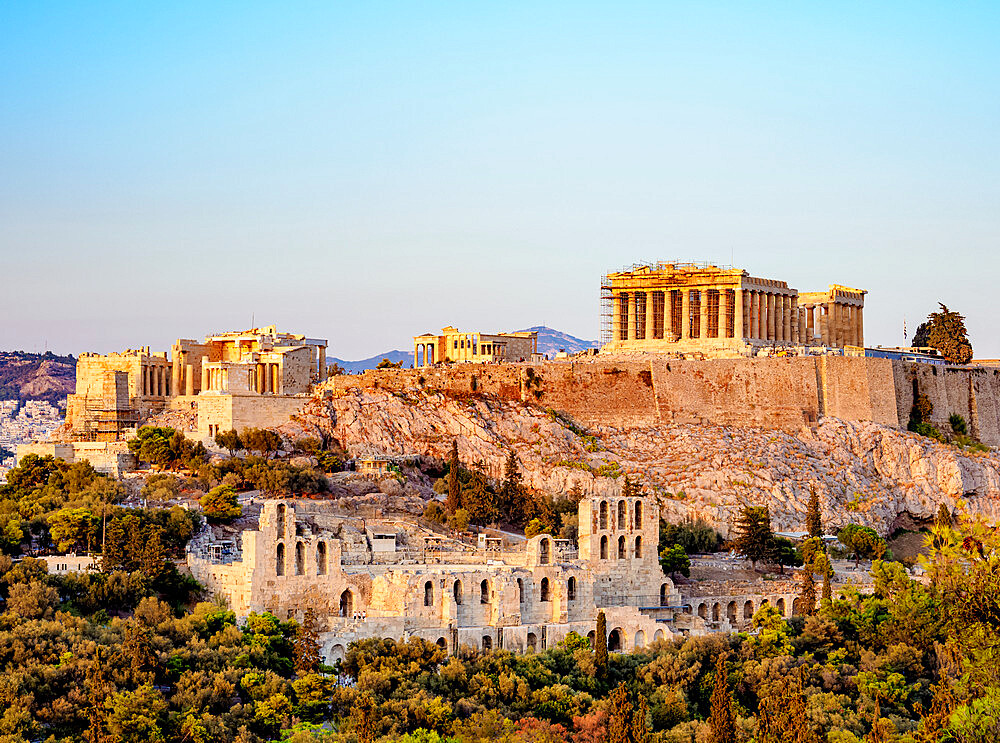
[864, 472]
[33, 376]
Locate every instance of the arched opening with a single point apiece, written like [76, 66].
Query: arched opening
[638, 514]
[532, 641]
[621, 548]
[457, 590]
[797, 607]
[622, 515]
[484, 592]
[731, 612]
[780, 606]
[337, 653]
[571, 589]
[346, 603]
[763, 603]
[442, 643]
[703, 611]
[282, 509]
[428, 594]
[544, 551]
[487, 642]
[300, 558]
[592, 636]
[321, 558]
[604, 515]
[748, 610]
[604, 548]
[279, 559]
[640, 639]
[544, 589]
[615, 640]
[520, 591]
[658, 636]
[638, 548]
[663, 594]
[716, 610]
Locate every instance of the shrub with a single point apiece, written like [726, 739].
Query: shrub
[958, 424]
[221, 504]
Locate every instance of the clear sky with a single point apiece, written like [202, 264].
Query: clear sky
[370, 171]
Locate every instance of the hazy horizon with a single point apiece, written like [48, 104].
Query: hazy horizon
[370, 172]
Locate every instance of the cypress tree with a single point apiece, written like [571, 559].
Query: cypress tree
[754, 538]
[807, 595]
[640, 733]
[721, 718]
[814, 523]
[601, 646]
[619, 715]
[454, 499]
[827, 587]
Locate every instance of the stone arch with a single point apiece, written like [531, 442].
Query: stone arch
[428, 594]
[615, 644]
[520, 591]
[571, 589]
[763, 603]
[346, 603]
[531, 641]
[622, 514]
[282, 514]
[442, 643]
[300, 558]
[715, 611]
[603, 520]
[279, 559]
[731, 612]
[780, 605]
[748, 610]
[544, 551]
[703, 611]
[638, 548]
[337, 652]
[321, 558]
[484, 592]
[638, 514]
[487, 642]
[604, 547]
[640, 639]
[663, 594]
[592, 636]
[544, 590]
[457, 591]
[621, 548]
[658, 635]
[797, 606]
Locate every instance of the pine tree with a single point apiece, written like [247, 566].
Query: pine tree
[454, 500]
[782, 714]
[365, 718]
[721, 718]
[754, 538]
[640, 732]
[137, 654]
[307, 645]
[945, 331]
[619, 715]
[153, 559]
[99, 688]
[601, 646]
[807, 595]
[510, 490]
[827, 584]
[814, 522]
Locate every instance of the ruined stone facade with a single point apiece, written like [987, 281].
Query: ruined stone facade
[530, 596]
[687, 307]
[453, 345]
[234, 380]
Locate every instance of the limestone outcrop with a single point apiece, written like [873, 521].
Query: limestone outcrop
[864, 472]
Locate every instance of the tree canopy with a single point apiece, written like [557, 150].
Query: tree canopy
[945, 331]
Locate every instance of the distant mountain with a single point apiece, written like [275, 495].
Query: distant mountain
[552, 341]
[36, 376]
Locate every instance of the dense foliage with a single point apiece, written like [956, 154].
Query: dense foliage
[945, 330]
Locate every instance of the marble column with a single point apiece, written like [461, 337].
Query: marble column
[631, 316]
[723, 302]
[175, 377]
[616, 317]
[668, 314]
[810, 324]
[798, 322]
[772, 325]
[739, 323]
[685, 314]
[824, 323]
[650, 315]
[861, 326]
[754, 315]
[786, 316]
[703, 313]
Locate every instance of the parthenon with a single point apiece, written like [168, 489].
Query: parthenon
[723, 311]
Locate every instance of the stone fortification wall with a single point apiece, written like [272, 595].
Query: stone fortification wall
[972, 392]
[856, 389]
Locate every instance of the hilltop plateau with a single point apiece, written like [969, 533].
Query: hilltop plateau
[864, 472]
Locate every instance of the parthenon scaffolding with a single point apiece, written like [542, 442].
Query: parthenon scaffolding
[720, 310]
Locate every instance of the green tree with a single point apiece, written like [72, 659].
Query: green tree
[73, 528]
[619, 715]
[945, 331]
[230, 441]
[364, 716]
[601, 646]
[386, 364]
[754, 539]
[640, 732]
[721, 717]
[307, 657]
[675, 560]
[454, 500]
[785, 553]
[221, 504]
[134, 716]
[261, 440]
[807, 594]
[814, 520]
[863, 542]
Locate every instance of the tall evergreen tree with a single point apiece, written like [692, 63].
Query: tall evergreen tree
[640, 731]
[782, 714]
[454, 500]
[814, 522]
[307, 645]
[619, 715]
[601, 646]
[721, 718]
[807, 595]
[754, 538]
[945, 331]
[827, 584]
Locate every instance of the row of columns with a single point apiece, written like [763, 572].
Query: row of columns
[771, 315]
[266, 379]
[423, 354]
[155, 381]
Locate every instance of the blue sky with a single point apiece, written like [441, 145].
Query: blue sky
[367, 172]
